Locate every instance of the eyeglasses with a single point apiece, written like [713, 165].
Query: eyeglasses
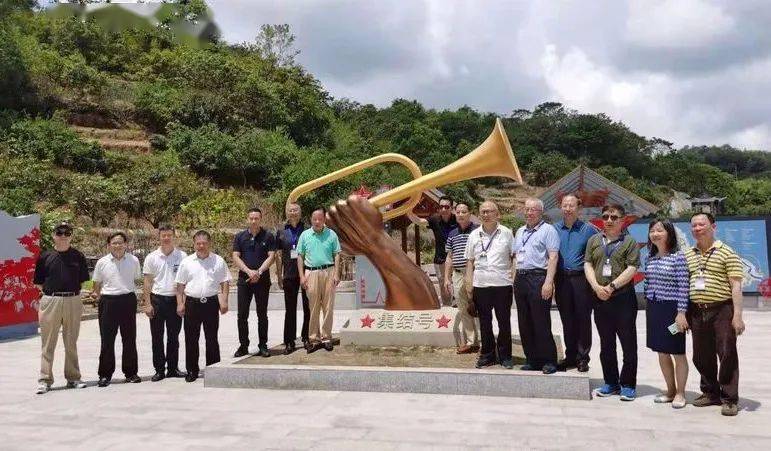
[445, 207]
[63, 233]
[611, 217]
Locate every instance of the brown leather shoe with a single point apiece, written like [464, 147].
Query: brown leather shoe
[465, 349]
[705, 400]
[729, 409]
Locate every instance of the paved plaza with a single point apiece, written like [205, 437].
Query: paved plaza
[173, 414]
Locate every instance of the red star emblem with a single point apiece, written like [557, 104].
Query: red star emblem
[765, 288]
[367, 321]
[443, 321]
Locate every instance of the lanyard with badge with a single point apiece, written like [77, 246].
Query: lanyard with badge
[530, 233]
[701, 282]
[607, 269]
[293, 242]
[483, 255]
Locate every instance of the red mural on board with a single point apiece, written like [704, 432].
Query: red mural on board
[18, 295]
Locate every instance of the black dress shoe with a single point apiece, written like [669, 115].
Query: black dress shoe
[329, 346]
[157, 376]
[482, 363]
[289, 348]
[190, 377]
[263, 352]
[549, 368]
[240, 352]
[312, 347]
[133, 379]
[103, 382]
[530, 367]
[582, 367]
[566, 364]
[175, 373]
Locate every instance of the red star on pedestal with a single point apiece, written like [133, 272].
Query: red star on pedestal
[367, 321]
[443, 321]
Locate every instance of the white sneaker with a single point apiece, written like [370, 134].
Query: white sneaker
[76, 384]
[43, 388]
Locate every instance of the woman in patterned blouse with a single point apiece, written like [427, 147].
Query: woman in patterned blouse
[666, 293]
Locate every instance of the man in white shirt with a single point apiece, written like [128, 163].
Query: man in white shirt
[115, 277]
[203, 282]
[160, 302]
[489, 272]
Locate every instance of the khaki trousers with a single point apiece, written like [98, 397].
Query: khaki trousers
[321, 294]
[55, 313]
[444, 296]
[466, 329]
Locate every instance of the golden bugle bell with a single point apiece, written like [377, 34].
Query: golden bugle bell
[492, 158]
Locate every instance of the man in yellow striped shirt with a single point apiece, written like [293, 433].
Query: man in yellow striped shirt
[715, 314]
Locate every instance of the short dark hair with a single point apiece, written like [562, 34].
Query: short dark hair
[462, 203]
[446, 198]
[709, 216]
[202, 233]
[118, 233]
[254, 210]
[616, 207]
[671, 236]
[165, 228]
[320, 208]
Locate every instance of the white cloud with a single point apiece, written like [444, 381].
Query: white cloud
[676, 23]
[756, 137]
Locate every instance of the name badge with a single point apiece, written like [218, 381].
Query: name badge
[700, 284]
[606, 269]
[482, 260]
[293, 254]
[521, 256]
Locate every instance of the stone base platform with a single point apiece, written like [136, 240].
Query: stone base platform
[417, 369]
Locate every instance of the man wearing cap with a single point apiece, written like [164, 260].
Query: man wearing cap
[59, 273]
[115, 277]
[288, 277]
[318, 263]
[203, 283]
[466, 330]
[253, 251]
[160, 302]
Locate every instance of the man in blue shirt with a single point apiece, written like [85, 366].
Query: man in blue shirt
[573, 293]
[536, 247]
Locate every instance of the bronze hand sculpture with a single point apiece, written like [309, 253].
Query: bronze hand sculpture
[359, 225]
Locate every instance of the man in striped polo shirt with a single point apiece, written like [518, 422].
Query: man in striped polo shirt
[466, 333]
[715, 314]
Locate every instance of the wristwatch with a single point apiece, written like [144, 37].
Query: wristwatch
[612, 285]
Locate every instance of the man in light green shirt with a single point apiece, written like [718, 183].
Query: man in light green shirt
[318, 261]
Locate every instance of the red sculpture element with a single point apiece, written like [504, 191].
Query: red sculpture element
[362, 192]
[18, 295]
[765, 288]
[596, 198]
[443, 322]
[367, 321]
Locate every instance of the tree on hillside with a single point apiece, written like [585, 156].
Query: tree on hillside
[276, 42]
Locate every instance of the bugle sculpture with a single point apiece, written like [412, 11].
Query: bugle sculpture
[359, 223]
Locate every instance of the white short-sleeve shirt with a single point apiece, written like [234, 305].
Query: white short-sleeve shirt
[117, 276]
[492, 260]
[202, 276]
[163, 268]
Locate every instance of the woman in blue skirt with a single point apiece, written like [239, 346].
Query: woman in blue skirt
[666, 293]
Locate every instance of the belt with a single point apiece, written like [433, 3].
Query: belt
[709, 305]
[316, 268]
[63, 294]
[572, 272]
[203, 300]
[164, 296]
[535, 271]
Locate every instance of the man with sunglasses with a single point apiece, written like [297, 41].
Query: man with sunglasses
[59, 273]
[536, 246]
[441, 224]
[612, 259]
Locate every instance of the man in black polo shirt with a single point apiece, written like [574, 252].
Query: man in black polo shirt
[289, 277]
[253, 251]
[441, 224]
[59, 272]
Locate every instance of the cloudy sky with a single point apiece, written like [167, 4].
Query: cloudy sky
[690, 71]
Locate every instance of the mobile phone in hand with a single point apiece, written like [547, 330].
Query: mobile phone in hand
[673, 329]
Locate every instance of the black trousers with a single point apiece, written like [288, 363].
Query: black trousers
[487, 300]
[574, 301]
[198, 313]
[260, 293]
[165, 308]
[617, 317]
[534, 320]
[714, 341]
[118, 312]
[291, 290]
